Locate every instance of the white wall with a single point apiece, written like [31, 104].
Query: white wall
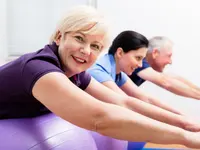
[3, 52]
[26, 25]
[31, 23]
[177, 19]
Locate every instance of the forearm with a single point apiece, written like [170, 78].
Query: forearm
[179, 88]
[154, 112]
[158, 103]
[190, 84]
[129, 125]
[139, 94]
[152, 100]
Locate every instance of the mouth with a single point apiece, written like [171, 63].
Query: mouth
[79, 60]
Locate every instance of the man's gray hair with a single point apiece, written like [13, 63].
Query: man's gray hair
[159, 42]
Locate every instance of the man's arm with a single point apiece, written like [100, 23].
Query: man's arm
[185, 81]
[167, 82]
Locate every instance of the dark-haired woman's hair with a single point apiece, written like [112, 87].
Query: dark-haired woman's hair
[128, 40]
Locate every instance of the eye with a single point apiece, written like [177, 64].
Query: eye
[138, 58]
[96, 47]
[79, 38]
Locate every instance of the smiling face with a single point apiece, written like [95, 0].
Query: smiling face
[78, 51]
[161, 59]
[128, 62]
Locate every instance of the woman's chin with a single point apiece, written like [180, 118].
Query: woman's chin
[129, 73]
[77, 71]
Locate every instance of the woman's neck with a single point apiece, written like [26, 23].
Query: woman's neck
[117, 64]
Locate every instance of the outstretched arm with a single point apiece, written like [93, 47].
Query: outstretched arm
[185, 81]
[105, 94]
[66, 100]
[171, 84]
[133, 90]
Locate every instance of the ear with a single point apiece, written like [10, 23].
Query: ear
[155, 53]
[58, 38]
[119, 52]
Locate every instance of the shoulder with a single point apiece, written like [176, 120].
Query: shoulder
[37, 64]
[101, 66]
[102, 69]
[145, 64]
[104, 62]
[48, 54]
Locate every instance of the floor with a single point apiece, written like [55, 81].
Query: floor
[150, 146]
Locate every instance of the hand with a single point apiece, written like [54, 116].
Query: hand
[190, 125]
[192, 140]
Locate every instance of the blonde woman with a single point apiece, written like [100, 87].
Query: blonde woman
[53, 79]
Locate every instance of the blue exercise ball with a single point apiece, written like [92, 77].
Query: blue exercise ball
[136, 145]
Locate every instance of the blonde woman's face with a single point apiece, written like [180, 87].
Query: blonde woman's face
[78, 51]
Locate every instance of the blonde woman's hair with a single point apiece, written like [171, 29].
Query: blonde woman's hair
[85, 19]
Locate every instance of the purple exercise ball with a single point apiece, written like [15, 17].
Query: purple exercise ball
[51, 132]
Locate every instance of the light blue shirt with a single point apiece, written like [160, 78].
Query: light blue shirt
[104, 70]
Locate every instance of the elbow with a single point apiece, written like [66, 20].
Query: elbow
[101, 125]
[101, 118]
[100, 121]
[94, 119]
[105, 121]
[128, 103]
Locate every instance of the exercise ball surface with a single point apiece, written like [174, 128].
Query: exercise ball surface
[47, 132]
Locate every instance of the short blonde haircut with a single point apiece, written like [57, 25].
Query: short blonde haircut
[85, 19]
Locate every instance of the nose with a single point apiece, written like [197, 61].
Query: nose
[86, 50]
[140, 64]
[170, 61]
